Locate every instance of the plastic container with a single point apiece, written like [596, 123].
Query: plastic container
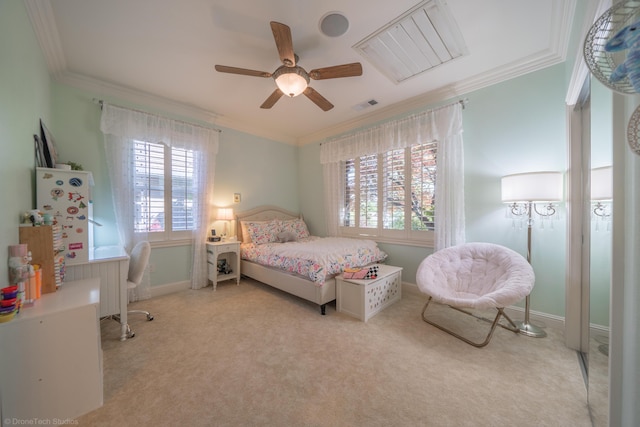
[9, 289]
[18, 250]
[7, 316]
[8, 302]
[10, 295]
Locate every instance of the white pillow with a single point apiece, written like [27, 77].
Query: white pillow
[296, 226]
[246, 238]
[286, 236]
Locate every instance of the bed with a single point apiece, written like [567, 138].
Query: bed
[278, 235]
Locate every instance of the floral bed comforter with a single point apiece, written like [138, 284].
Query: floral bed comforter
[315, 258]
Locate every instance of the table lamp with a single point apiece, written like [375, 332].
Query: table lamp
[226, 215]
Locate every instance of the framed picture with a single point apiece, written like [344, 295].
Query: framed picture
[49, 146]
[39, 152]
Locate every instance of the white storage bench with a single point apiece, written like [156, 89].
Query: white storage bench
[365, 298]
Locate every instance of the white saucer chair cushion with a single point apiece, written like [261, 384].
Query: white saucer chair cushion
[475, 276]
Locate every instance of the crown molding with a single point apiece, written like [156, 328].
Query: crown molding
[497, 75]
[106, 89]
[44, 26]
[118, 92]
[43, 21]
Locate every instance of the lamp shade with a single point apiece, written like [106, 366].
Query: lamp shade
[532, 187]
[225, 214]
[292, 81]
[602, 183]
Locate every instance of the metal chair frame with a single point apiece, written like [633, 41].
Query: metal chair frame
[496, 322]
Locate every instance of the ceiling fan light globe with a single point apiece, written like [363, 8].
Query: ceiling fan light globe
[291, 81]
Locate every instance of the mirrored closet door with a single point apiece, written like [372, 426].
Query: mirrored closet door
[600, 249]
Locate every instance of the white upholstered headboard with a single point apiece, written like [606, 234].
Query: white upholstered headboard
[262, 213]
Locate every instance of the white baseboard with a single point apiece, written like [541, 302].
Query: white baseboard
[169, 288]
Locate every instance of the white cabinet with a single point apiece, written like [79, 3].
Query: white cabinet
[51, 358]
[219, 253]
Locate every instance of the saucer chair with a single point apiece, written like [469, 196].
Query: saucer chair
[477, 276]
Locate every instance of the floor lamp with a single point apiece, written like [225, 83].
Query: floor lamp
[532, 195]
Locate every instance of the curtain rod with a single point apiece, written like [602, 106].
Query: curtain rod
[101, 103]
[463, 102]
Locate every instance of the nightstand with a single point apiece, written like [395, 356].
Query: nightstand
[223, 262]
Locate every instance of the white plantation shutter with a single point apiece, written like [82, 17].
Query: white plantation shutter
[394, 186]
[413, 206]
[423, 185]
[182, 190]
[397, 186]
[368, 215]
[164, 190]
[350, 199]
[149, 186]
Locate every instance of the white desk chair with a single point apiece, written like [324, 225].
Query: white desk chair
[139, 258]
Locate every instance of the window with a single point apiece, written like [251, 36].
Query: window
[391, 196]
[164, 191]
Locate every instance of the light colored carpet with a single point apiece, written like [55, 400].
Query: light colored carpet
[250, 355]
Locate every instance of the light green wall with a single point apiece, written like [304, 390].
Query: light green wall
[24, 99]
[513, 127]
[75, 126]
[261, 170]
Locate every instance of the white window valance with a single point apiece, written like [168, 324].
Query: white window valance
[132, 124]
[421, 128]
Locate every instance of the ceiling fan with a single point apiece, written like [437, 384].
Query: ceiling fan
[291, 79]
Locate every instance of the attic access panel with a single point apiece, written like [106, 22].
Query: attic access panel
[422, 38]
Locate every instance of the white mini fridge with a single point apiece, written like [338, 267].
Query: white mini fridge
[66, 195]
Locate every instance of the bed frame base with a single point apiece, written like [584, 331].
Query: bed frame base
[291, 284]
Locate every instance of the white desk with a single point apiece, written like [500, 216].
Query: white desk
[111, 265]
[51, 358]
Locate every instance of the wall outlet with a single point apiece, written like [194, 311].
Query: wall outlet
[152, 268]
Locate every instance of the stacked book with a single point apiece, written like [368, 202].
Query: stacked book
[58, 250]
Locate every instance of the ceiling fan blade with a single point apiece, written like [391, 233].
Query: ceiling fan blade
[344, 70]
[317, 99]
[242, 71]
[284, 43]
[272, 99]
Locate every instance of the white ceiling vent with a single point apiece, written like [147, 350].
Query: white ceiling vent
[420, 39]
